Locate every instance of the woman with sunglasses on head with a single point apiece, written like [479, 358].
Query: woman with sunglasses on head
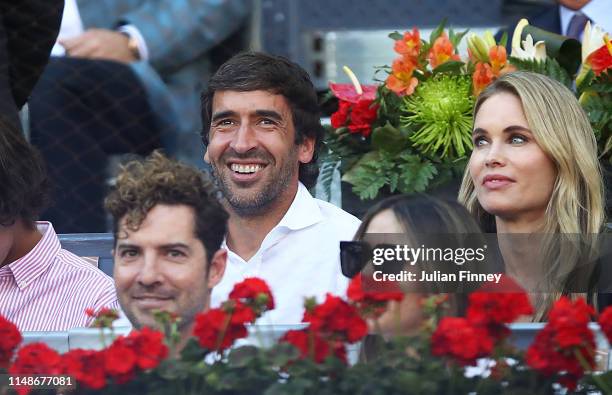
[533, 173]
[416, 221]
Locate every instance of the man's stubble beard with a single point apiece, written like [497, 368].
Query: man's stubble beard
[265, 197]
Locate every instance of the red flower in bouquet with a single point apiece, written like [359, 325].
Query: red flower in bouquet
[601, 59]
[371, 303]
[442, 51]
[401, 80]
[605, 323]
[482, 77]
[459, 339]
[9, 340]
[409, 45]
[355, 110]
[313, 345]
[104, 318]
[363, 114]
[492, 310]
[566, 334]
[217, 329]
[253, 292]
[86, 366]
[335, 318]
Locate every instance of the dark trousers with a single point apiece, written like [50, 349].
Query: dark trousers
[82, 111]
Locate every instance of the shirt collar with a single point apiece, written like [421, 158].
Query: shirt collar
[598, 11]
[303, 212]
[30, 266]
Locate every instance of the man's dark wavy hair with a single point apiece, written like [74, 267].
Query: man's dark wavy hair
[252, 71]
[24, 185]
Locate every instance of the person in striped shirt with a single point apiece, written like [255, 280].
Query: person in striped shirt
[42, 286]
[168, 226]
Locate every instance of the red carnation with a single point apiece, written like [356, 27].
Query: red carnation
[458, 338]
[312, 345]
[363, 114]
[605, 322]
[340, 117]
[336, 318]
[9, 340]
[253, 292]
[86, 366]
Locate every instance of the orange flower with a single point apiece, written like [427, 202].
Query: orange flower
[483, 76]
[498, 57]
[442, 51]
[401, 80]
[601, 60]
[410, 45]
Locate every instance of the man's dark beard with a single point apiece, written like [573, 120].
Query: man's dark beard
[266, 197]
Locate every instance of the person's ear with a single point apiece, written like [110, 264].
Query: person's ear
[306, 150]
[217, 268]
[206, 156]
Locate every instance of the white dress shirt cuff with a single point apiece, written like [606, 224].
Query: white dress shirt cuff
[134, 33]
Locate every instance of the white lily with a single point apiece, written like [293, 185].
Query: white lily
[526, 49]
[592, 40]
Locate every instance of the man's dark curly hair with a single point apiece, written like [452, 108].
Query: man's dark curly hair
[253, 71]
[143, 184]
[24, 185]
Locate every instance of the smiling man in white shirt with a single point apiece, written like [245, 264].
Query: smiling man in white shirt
[262, 130]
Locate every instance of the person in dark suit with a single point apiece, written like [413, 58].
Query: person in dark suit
[28, 29]
[568, 18]
[129, 82]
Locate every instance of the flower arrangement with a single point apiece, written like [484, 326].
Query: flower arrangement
[314, 359]
[412, 131]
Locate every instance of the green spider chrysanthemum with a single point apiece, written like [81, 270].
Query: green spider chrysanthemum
[441, 108]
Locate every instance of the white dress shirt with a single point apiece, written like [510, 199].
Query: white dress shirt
[598, 11]
[299, 258]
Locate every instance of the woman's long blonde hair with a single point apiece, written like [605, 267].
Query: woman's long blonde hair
[562, 130]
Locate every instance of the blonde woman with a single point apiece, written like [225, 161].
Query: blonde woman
[533, 173]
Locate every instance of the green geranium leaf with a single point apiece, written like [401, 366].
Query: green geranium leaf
[193, 351]
[242, 356]
[389, 138]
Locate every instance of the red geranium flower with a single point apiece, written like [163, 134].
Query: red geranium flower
[253, 292]
[566, 333]
[148, 346]
[371, 303]
[456, 337]
[9, 340]
[86, 366]
[335, 318]
[217, 329]
[312, 345]
[35, 358]
[120, 360]
[493, 310]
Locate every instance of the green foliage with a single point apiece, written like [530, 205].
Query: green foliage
[405, 173]
[550, 67]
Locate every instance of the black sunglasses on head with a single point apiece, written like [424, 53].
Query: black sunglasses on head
[354, 255]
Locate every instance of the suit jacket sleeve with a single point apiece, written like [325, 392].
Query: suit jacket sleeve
[179, 31]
